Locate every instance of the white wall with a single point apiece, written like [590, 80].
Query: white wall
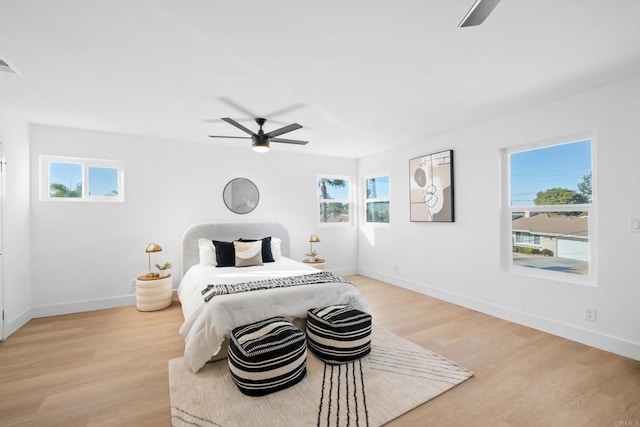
[460, 262]
[16, 256]
[86, 255]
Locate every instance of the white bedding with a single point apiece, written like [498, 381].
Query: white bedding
[206, 325]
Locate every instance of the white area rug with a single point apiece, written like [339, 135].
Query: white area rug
[396, 377]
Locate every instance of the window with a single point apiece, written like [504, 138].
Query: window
[334, 198]
[376, 199]
[550, 210]
[77, 179]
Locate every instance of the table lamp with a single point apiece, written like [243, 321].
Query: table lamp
[313, 239]
[153, 247]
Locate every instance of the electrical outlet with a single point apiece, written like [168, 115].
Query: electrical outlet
[590, 314]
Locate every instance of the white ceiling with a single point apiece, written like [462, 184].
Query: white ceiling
[360, 76]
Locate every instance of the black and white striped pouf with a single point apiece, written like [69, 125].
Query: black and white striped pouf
[267, 356]
[338, 333]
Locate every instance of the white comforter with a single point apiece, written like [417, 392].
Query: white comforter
[206, 325]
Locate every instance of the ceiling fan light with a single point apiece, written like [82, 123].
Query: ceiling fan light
[261, 147]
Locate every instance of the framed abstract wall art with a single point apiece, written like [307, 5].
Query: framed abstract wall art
[431, 188]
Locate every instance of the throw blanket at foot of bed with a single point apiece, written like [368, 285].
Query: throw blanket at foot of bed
[306, 279]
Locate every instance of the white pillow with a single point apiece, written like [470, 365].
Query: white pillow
[275, 248]
[207, 252]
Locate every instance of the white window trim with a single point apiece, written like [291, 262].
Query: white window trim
[377, 199]
[45, 175]
[506, 258]
[349, 200]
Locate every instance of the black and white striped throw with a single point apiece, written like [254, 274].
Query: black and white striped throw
[281, 282]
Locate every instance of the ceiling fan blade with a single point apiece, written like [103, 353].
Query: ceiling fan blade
[234, 137]
[282, 130]
[244, 119]
[289, 141]
[478, 13]
[238, 125]
[284, 110]
[231, 103]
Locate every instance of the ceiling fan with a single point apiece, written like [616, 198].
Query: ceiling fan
[261, 140]
[478, 12]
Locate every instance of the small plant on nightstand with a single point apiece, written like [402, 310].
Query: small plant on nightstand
[164, 269]
[311, 256]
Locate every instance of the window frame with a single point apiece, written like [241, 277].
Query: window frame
[506, 219]
[366, 201]
[349, 201]
[86, 164]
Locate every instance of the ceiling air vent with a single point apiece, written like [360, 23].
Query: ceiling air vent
[4, 66]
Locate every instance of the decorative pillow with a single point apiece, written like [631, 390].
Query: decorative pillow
[207, 252]
[248, 253]
[267, 256]
[276, 251]
[225, 254]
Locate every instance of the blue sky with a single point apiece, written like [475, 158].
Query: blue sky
[336, 192]
[382, 187]
[103, 181]
[68, 174]
[548, 167]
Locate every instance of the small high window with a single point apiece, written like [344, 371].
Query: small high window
[79, 179]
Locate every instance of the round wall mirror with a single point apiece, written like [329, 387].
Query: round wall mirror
[241, 195]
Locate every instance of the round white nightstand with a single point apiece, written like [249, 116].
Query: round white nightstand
[318, 263]
[153, 293]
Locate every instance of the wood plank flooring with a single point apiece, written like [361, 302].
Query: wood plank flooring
[109, 368]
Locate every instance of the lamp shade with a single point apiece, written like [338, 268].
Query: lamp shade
[261, 148]
[260, 143]
[314, 239]
[153, 247]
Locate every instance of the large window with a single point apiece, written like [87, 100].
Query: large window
[550, 210]
[78, 179]
[334, 200]
[376, 199]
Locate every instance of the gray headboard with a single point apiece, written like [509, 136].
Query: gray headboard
[228, 232]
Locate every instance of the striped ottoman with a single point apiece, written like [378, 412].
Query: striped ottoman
[267, 356]
[338, 333]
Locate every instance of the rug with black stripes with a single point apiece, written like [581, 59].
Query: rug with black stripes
[394, 378]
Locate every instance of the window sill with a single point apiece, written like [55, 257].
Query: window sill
[568, 278]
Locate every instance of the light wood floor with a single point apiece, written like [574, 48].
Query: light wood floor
[109, 367]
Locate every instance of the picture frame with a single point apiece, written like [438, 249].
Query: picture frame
[431, 188]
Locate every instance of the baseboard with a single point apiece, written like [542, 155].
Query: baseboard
[609, 343]
[345, 271]
[82, 306]
[17, 322]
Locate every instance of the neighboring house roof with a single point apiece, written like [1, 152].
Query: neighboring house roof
[553, 224]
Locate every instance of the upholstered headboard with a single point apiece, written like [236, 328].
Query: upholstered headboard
[227, 232]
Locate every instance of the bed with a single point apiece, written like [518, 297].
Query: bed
[207, 325]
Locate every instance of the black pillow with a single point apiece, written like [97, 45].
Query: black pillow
[225, 254]
[267, 256]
